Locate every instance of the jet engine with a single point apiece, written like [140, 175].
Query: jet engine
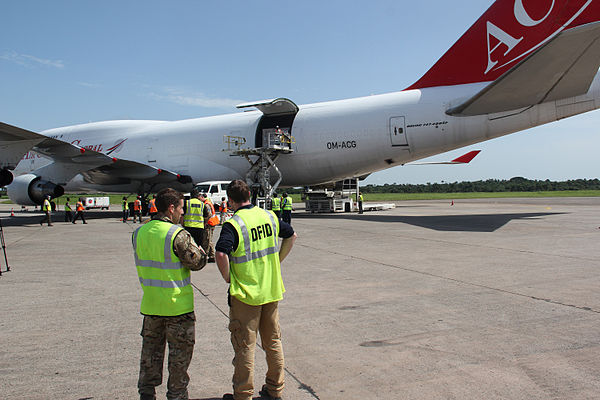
[6, 177]
[30, 190]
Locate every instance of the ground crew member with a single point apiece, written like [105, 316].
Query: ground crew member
[152, 210]
[46, 208]
[137, 209]
[125, 207]
[164, 255]
[276, 205]
[286, 207]
[193, 220]
[222, 210]
[248, 257]
[211, 220]
[79, 211]
[360, 203]
[68, 211]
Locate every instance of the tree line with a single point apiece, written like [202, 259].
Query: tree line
[517, 184]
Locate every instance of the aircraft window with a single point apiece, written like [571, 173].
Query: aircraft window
[400, 130]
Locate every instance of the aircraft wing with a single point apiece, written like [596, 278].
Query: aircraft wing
[70, 160]
[124, 171]
[563, 67]
[14, 143]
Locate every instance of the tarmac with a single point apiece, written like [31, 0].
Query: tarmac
[483, 299]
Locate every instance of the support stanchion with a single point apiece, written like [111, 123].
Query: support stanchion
[3, 248]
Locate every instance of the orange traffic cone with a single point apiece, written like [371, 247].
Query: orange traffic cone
[12, 213]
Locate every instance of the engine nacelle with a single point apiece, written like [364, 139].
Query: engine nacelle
[6, 177]
[30, 190]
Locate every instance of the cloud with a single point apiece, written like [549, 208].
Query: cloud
[30, 61]
[179, 96]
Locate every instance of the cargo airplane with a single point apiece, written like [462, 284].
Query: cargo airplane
[524, 63]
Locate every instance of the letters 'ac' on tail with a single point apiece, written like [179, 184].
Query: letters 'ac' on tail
[530, 51]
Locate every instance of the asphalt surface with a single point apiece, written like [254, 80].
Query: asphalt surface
[485, 299]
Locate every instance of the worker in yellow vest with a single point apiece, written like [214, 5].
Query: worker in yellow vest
[47, 209]
[360, 203]
[248, 256]
[79, 211]
[276, 205]
[68, 211]
[287, 205]
[165, 254]
[152, 210]
[193, 219]
[125, 207]
[211, 220]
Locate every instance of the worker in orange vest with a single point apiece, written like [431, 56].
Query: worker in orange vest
[137, 209]
[152, 210]
[79, 211]
[222, 210]
[211, 220]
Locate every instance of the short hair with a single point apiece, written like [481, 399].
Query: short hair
[238, 191]
[194, 193]
[166, 197]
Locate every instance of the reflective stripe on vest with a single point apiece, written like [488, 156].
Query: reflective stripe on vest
[165, 281]
[46, 206]
[193, 217]
[255, 271]
[79, 206]
[275, 204]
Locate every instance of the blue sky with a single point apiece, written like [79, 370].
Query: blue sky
[69, 62]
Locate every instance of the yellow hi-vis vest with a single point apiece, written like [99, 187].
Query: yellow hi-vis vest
[165, 281]
[255, 272]
[286, 204]
[46, 206]
[275, 204]
[68, 207]
[193, 217]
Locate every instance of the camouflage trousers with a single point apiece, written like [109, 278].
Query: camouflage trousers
[179, 332]
[246, 322]
[207, 243]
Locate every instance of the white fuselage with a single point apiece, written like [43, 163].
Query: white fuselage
[333, 140]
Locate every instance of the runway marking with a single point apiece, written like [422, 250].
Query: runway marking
[452, 279]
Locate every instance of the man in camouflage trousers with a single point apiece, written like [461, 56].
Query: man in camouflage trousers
[164, 254]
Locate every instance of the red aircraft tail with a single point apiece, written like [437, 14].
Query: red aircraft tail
[508, 32]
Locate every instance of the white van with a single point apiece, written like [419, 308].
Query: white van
[216, 190]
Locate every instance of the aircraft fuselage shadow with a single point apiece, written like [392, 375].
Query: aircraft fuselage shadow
[457, 223]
